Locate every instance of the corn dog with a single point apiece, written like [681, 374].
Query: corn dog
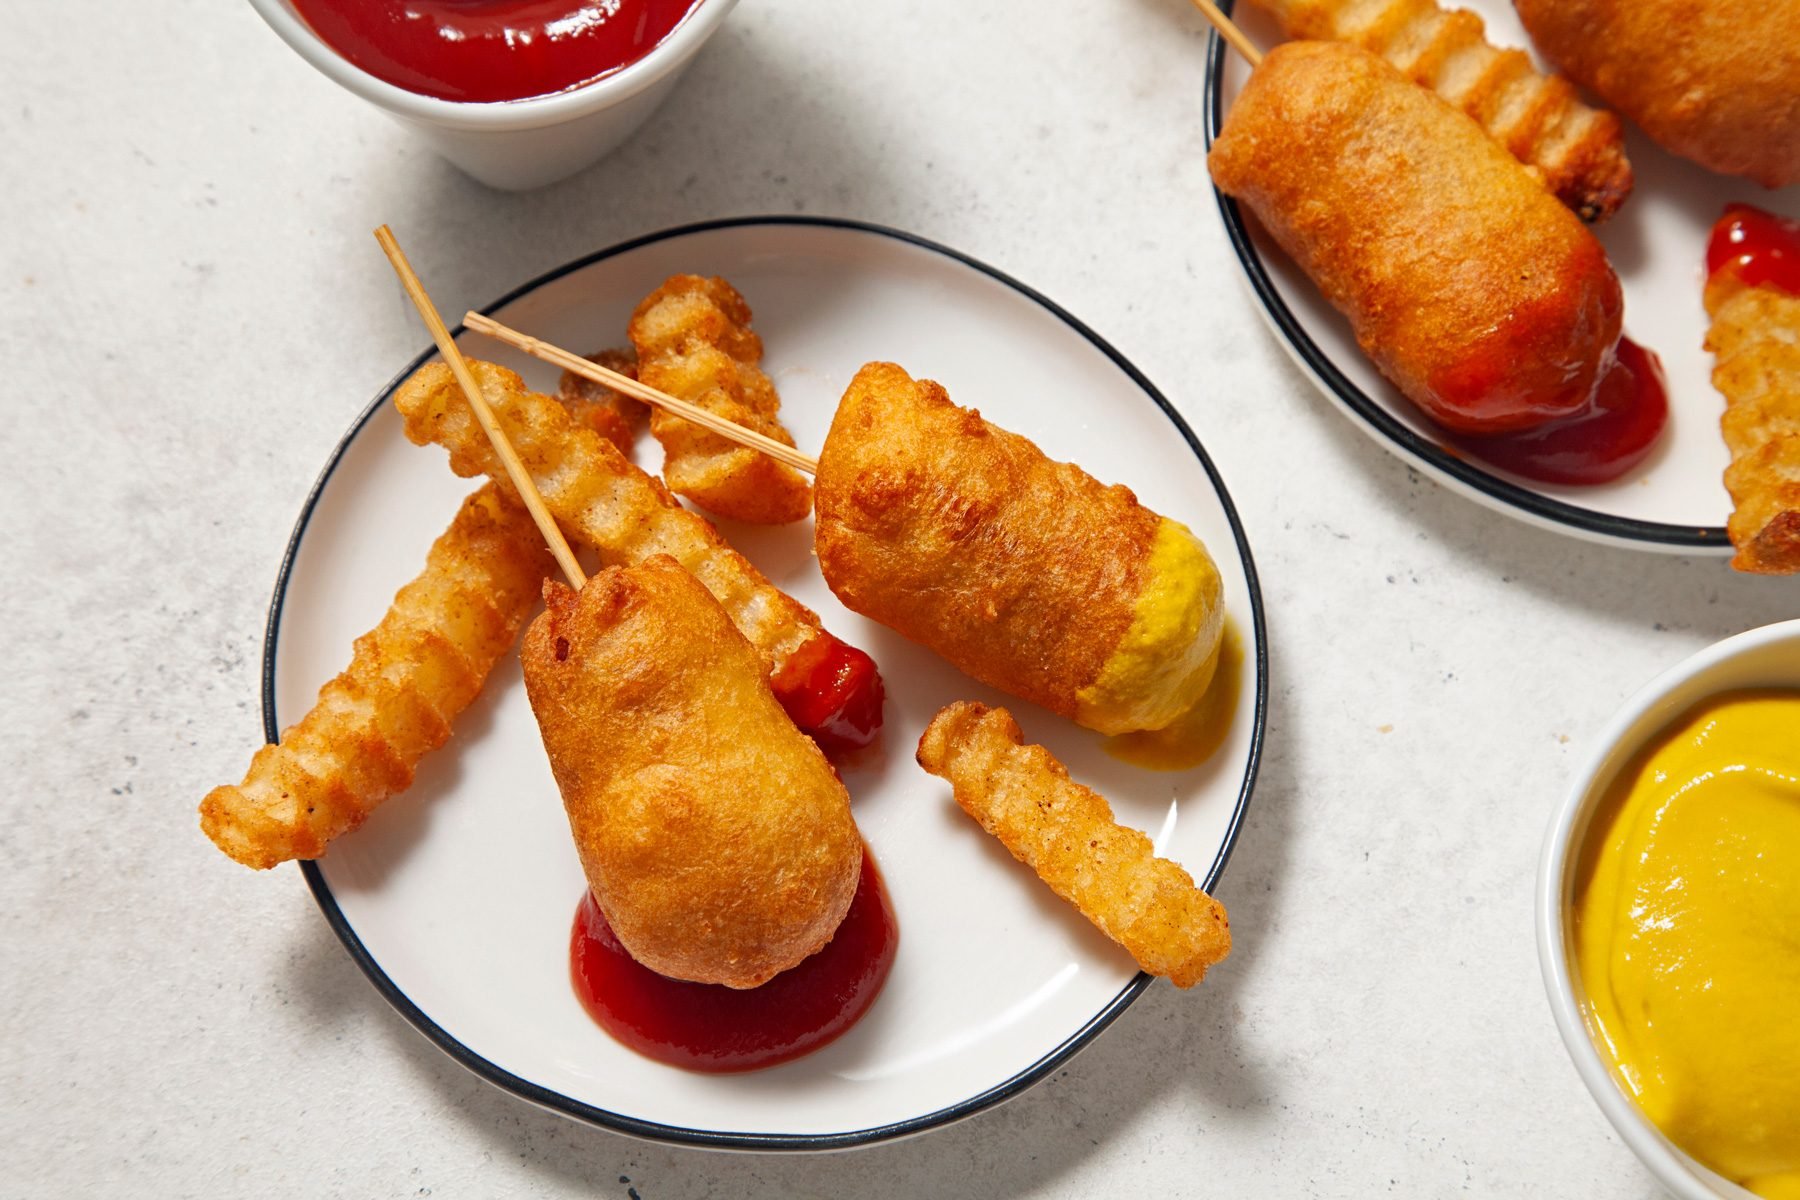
[716, 837]
[607, 503]
[1718, 83]
[1578, 152]
[694, 342]
[1488, 304]
[1066, 833]
[1027, 574]
[409, 678]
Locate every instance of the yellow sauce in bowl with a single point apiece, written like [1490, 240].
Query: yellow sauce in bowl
[1687, 935]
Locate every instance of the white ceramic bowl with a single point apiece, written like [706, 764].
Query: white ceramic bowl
[1766, 657]
[519, 144]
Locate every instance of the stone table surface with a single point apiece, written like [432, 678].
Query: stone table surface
[191, 314]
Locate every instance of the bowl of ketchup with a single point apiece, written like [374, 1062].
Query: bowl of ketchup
[518, 93]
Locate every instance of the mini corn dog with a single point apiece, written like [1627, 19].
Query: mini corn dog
[1026, 573]
[627, 515]
[613, 416]
[716, 838]
[1755, 340]
[1066, 833]
[1483, 300]
[409, 678]
[694, 342]
[1578, 152]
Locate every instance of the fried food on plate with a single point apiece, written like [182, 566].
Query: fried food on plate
[1026, 573]
[1718, 83]
[1577, 151]
[408, 679]
[607, 503]
[716, 837]
[694, 342]
[1755, 340]
[1487, 303]
[613, 415]
[1066, 833]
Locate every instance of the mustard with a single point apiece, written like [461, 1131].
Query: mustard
[1687, 936]
[1161, 667]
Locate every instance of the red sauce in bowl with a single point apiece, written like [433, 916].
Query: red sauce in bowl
[706, 1027]
[1759, 248]
[489, 50]
[1611, 435]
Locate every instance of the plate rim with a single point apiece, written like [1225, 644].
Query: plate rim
[678, 1135]
[1390, 433]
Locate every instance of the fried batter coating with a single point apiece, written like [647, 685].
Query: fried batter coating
[694, 342]
[1718, 83]
[1488, 304]
[408, 679]
[1028, 574]
[1755, 338]
[613, 415]
[716, 837]
[1578, 152]
[598, 497]
[1066, 833]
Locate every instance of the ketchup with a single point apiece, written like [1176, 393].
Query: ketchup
[709, 1027]
[487, 50]
[1605, 439]
[1758, 248]
[833, 693]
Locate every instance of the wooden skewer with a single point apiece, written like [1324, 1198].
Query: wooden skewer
[574, 363]
[1230, 32]
[515, 467]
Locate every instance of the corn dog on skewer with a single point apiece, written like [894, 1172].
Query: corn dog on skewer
[408, 679]
[1578, 152]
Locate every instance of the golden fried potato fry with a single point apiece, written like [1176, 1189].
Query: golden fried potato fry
[694, 342]
[613, 415]
[1066, 833]
[598, 497]
[1027, 573]
[716, 837]
[1578, 152]
[1755, 338]
[407, 681]
[1715, 82]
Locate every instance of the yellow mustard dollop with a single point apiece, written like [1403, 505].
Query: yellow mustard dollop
[1687, 935]
[1162, 665]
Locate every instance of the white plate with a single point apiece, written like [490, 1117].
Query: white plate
[456, 899]
[1675, 501]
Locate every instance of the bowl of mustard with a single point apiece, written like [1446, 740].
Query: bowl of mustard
[1668, 920]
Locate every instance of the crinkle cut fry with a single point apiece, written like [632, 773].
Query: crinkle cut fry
[694, 341]
[1066, 833]
[613, 415]
[408, 679]
[1578, 151]
[599, 498]
[1755, 338]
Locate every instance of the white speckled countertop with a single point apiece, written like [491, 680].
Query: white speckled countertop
[191, 311]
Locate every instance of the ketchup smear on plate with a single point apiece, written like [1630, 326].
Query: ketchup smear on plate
[1759, 248]
[489, 50]
[708, 1027]
[1609, 437]
[833, 692]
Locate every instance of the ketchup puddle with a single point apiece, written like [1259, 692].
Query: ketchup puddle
[716, 1029]
[1612, 435]
[1759, 248]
